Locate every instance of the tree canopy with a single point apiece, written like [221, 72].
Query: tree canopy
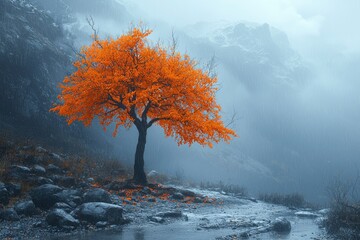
[130, 81]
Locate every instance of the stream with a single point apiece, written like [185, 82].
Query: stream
[207, 221]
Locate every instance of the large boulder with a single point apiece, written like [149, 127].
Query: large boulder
[94, 212]
[26, 208]
[60, 218]
[281, 225]
[97, 195]
[70, 197]
[4, 194]
[64, 206]
[44, 196]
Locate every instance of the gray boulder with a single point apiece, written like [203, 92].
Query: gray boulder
[44, 180]
[156, 219]
[97, 195]
[94, 212]
[187, 193]
[281, 225]
[60, 218]
[4, 194]
[26, 208]
[52, 169]
[44, 196]
[178, 196]
[39, 170]
[64, 206]
[70, 197]
[40, 150]
[170, 214]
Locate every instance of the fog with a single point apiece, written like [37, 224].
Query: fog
[288, 69]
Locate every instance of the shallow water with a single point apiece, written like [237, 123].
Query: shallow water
[232, 211]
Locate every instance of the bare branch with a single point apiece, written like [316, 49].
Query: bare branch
[233, 119]
[91, 23]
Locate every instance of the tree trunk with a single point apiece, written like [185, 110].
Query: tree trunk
[139, 173]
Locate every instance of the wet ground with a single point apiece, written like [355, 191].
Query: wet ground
[226, 218]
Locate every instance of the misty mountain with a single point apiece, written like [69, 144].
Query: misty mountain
[257, 54]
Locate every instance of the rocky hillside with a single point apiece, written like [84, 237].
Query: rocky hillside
[34, 58]
[35, 55]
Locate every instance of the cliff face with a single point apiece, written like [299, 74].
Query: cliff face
[33, 59]
[35, 55]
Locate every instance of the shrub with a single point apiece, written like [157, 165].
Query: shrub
[343, 220]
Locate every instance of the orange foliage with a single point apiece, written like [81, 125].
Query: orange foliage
[129, 81]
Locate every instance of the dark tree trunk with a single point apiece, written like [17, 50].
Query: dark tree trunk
[139, 173]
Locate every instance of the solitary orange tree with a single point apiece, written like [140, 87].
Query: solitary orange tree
[129, 82]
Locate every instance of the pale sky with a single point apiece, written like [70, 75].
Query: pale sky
[329, 23]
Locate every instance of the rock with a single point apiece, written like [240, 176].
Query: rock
[26, 208]
[157, 219]
[97, 195]
[94, 212]
[145, 190]
[198, 200]
[306, 214]
[178, 196]
[70, 197]
[10, 215]
[60, 218]
[281, 225]
[56, 157]
[174, 214]
[64, 206]
[44, 196]
[101, 224]
[52, 169]
[90, 180]
[187, 193]
[14, 189]
[324, 211]
[153, 173]
[40, 150]
[39, 170]
[17, 172]
[64, 181]
[43, 180]
[4, 194]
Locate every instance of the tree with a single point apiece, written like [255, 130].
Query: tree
[129, 82]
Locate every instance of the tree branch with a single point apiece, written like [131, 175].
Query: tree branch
[91, 23]
[146, 110]
[154, 120]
